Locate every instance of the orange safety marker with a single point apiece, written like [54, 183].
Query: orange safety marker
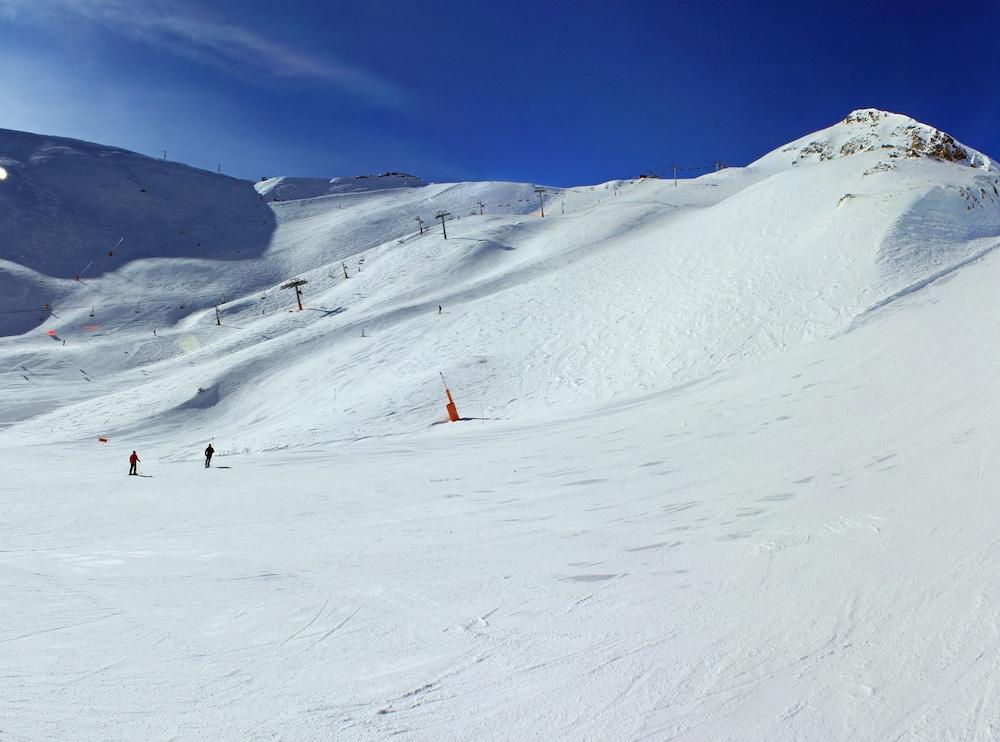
[450, 407]
[452, 410]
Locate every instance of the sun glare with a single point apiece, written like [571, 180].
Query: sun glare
[3, 173]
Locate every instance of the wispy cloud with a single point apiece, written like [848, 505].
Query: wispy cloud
[167, 24]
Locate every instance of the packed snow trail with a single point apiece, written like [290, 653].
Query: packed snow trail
[800, 550]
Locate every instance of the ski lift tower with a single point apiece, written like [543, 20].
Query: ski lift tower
[442, 215]
[541, 199]
[295, 285]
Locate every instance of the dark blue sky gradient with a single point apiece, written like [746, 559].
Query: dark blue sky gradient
[559, 93]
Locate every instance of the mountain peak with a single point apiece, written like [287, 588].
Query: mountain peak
[875, 115]
[870, 130]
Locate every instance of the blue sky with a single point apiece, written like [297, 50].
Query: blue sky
[560, 93]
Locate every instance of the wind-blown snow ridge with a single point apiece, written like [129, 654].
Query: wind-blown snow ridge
[291, 189]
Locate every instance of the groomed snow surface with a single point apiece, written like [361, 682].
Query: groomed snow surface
[729, 467]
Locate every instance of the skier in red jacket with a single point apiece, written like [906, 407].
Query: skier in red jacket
[133, 460]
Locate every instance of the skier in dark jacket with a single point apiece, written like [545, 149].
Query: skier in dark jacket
[208, 455]
[133, 460]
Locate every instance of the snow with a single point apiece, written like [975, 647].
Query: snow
[292, 189]
[730, 473]
[869, 130]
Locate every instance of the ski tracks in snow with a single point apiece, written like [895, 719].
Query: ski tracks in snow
[327, 634]
[322, 634]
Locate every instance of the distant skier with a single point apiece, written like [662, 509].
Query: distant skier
[439, 309]
[208, 455]
[133, 460]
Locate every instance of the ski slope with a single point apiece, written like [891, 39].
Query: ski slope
[538, 314]
[730, 472]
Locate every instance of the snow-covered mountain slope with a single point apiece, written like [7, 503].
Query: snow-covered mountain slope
[621, 288]
[291, 189]
[71, 210]
[746, 489]
[66, 204]
[869, 130]
[800, 548]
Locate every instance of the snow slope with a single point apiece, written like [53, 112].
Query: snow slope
[743, 489]
[70, 210]
[291, 189]
[622, 288]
